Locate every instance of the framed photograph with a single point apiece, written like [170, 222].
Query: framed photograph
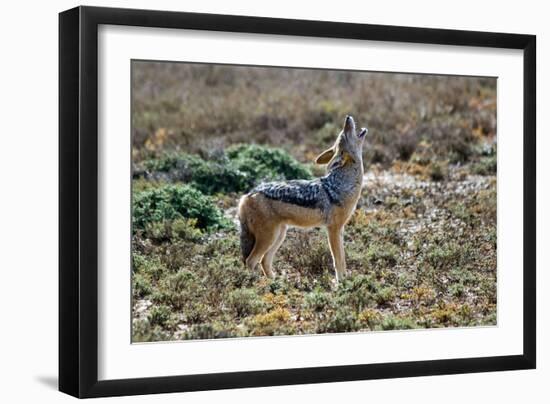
[251, 201]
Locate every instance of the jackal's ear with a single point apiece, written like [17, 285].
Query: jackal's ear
[325, 156]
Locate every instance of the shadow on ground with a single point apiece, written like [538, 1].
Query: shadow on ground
[48, 381]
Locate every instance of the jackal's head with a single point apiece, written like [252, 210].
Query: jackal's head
[347, 150]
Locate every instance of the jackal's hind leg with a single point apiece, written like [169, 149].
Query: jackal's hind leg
[267, 260]
[264, 240]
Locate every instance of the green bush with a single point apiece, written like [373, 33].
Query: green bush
[150, 267]
[457, 289]
[209, 177]
[143, 331]
[385, 295]
[178, 229]
[445, 255]
[357, 291]
[309, 255]
[141, 285]
[186, 229]
[382, 253]
[393, 322]
[159, 315]
[245, 302]
[317, 300]
[158, 231]
[266, 163]
[239, 170]
[181, 280]
[171, 202]
[209, 331]
[177, 290]
[487, 166]
[343, 320]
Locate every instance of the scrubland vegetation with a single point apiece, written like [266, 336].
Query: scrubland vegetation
[421, 246]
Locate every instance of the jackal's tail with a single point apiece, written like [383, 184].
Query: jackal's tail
[247, 240]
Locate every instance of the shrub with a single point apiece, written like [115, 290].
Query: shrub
[357, 291]
[383, 253]
[445, 314]
[148, 266]
[219, 176]
[460, 149]
[392, 322]
[378, 154]
[437, 172]
[273, 301]
[421, 295]
[196, 312]
[487, 166]
[270, 323]
[370, 318]
[238, 274]
[172, 202]
[159, 315]
[141, 285]
[326, 133]
[181, 280]
[143, 331]
[239, 170]
[441, 256]
[343, 320]
[457, 289]
[460, 211]
[164, 163]
[265, 163]
[209, 177]
[177, 290]
[245, 302]
[307, 254]
[317, 300]
[423, 154]
[158, 231]
[406, 145]
[186, 229]
[385, 295]
[210, 331]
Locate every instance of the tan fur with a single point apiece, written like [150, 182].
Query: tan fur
[268, 219]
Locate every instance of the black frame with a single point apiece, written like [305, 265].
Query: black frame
[78, 176]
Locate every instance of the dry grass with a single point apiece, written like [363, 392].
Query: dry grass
[200, 108]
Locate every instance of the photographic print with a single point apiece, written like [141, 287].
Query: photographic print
[238, 194]
[275, 201]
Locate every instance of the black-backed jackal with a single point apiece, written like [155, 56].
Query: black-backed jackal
[268, 210]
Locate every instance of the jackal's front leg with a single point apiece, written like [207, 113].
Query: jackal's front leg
[336, 242]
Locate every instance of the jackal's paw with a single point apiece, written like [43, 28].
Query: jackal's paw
[268, 273]
[339, 278]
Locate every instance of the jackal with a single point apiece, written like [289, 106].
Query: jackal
[266, 212]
